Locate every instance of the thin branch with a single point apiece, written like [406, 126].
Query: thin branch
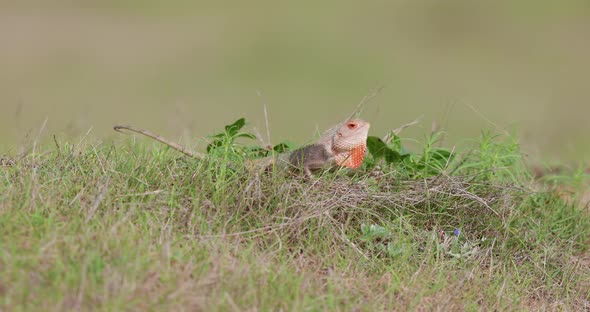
[160, 139]
[387, 139]
[366, 99]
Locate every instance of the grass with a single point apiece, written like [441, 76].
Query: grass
[133, 226]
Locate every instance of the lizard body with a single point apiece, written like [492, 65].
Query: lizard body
[343, 145]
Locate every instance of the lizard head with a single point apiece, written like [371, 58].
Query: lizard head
[350, 143]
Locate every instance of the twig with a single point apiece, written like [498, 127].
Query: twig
[366, 99]
[387, 139]
[160, 139]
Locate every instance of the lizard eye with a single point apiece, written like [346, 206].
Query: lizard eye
[351, 125]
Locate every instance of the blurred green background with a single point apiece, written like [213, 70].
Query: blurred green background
[186, 68]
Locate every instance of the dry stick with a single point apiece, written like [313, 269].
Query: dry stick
[160, 139]
[366, 99]
[387, 139]
[259, 137]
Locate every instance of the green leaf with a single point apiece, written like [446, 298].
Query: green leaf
[441, 153]
[235, 127]
[214, 144]
[373, 231]
[245, 135]
[258, 151]
[409, 161]
[392, 157]
[442, 156]
[396, 143]
[394, 250]
[281, 147]
[376, 146]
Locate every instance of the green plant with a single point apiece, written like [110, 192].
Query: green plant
[432, 161]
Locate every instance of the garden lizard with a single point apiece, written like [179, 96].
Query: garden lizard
[343, 145]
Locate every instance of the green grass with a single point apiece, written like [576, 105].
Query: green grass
[133, 226]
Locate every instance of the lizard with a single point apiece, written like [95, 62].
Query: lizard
[343, 145]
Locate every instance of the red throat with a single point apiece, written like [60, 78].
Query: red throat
[355, 158]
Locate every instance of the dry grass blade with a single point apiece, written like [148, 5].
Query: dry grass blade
[366, 99]
[103, 191]
[342, 201]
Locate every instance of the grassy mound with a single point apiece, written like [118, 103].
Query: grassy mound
[130, 227]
